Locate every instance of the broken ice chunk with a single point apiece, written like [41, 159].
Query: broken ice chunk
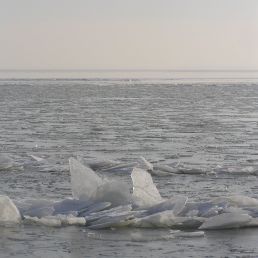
[8, 211]
[84, 181]
[226, 221]
[145, 192]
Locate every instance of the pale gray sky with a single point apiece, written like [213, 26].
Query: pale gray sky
[129, 34]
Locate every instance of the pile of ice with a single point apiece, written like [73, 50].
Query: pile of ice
[100, 203]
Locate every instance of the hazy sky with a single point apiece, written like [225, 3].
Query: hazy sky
[129, 34]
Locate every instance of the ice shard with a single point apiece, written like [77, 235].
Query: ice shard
[145, 193]
[85, 182]
[8, 211]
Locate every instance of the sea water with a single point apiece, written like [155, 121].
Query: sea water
[204, 120]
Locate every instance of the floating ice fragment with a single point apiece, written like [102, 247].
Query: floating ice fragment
[145, 192]
[37, 158]
[238, 200]
[226, 221]
[8, 211]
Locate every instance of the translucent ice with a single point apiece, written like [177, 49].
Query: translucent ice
[95, 207]
[69, 206]
[158, 220]
[111, 212]
[226, 220]
[8, 211]
[176, 204]
[238, 201]
[145, 192]
[36, 208]
[116, 192]
[87, 185]
[84, 181]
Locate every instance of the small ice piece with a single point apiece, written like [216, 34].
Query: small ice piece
[8, 211]
[144, 164]
[176, 204]
[145, 192]
[84, 181]
[226, 221]
[37, 158]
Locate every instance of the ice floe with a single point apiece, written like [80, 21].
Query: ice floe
[99, 203]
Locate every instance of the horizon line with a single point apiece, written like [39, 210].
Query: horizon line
[128, 70]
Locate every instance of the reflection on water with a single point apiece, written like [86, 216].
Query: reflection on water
[34, 241]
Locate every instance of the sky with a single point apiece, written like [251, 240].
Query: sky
[129, 34]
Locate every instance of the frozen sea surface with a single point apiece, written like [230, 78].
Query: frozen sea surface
[204, 121]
